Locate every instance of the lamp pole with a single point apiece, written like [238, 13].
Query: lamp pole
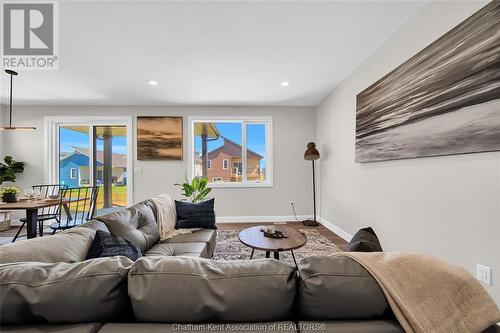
[312, 154]
[314, 193]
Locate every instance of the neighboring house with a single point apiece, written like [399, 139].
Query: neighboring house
[225, 163]
[74, 168]
[198, 170]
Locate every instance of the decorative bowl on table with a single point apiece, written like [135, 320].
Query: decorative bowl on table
[54, 196]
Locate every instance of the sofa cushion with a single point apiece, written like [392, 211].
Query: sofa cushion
[77, 328]
[64, 293]
[212, 291]
[94, 225]
[207, 236]
[68, 246]
[271, 327]
[137, 224]
[108, 245]
[198, 250]
[350, 326]
[195, 215]
[332, 288]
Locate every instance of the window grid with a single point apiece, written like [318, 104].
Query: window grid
[242, 169]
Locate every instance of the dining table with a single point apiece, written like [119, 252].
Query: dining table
[31, 207]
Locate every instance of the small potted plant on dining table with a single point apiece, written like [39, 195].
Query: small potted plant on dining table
[9, 194]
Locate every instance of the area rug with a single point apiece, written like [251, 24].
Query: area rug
[229, 247]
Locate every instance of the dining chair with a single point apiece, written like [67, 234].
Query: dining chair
[78, 205]
[44, 214]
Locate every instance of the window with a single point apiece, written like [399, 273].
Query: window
[237, 168]
[237, 152]
[85, 151]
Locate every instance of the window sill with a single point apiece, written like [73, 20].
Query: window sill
[240, 185]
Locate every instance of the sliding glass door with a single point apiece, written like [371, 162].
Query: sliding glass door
[93, 153]
[110, 165]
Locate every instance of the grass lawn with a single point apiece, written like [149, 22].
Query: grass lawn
[119, 196]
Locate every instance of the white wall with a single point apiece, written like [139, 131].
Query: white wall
[447, 206]
[293, 128]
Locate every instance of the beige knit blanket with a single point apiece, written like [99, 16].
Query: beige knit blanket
[166, 217]
[429, 295]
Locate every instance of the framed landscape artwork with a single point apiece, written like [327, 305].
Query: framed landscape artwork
[159, 138]
[444, 100]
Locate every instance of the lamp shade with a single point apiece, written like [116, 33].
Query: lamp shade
[311, 153]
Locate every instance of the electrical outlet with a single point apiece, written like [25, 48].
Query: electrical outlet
[483, 274]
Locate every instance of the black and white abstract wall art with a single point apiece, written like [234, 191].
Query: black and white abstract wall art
[444, 100]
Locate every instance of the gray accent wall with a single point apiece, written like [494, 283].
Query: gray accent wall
[448, 207]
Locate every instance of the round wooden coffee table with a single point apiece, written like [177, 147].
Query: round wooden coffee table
[254, 238]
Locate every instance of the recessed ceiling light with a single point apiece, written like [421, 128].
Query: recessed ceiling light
[153, 83]
[285, 84]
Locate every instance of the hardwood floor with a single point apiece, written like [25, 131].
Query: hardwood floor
[331, 236]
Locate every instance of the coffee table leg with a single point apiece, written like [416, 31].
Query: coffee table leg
[268, 254]
[251, 255]
[277, 255]
[293, 256]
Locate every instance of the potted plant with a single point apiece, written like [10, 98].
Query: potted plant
[196, 190]
[9, 193]
[9, 169]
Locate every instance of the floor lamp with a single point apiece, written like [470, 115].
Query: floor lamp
[312, 154]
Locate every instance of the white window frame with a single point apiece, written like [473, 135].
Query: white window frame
[209, 164]
[51, 131]
[225, 164]
[244, 120]
[71, 176]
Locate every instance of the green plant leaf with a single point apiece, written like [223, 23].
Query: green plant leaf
[196, 183]
[188, 190]
[9, 170]
[203, 183]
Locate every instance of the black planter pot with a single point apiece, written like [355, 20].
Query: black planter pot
[9, 197]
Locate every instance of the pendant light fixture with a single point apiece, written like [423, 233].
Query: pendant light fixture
[10, 127]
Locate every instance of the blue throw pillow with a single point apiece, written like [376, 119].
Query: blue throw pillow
[200, 215]
[108, 245]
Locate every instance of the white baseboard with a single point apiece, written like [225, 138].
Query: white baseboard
[329, 225]
[257, 219]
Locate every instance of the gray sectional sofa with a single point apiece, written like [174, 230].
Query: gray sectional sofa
[47, 286]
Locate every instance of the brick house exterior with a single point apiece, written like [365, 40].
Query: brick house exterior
[225, 163]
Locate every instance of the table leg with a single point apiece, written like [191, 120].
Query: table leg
[31, 221]
[293, 256]
[277, 255]
[268, 254]
[251, 255]
[40, 228]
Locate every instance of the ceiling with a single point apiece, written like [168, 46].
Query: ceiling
[207, 53]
